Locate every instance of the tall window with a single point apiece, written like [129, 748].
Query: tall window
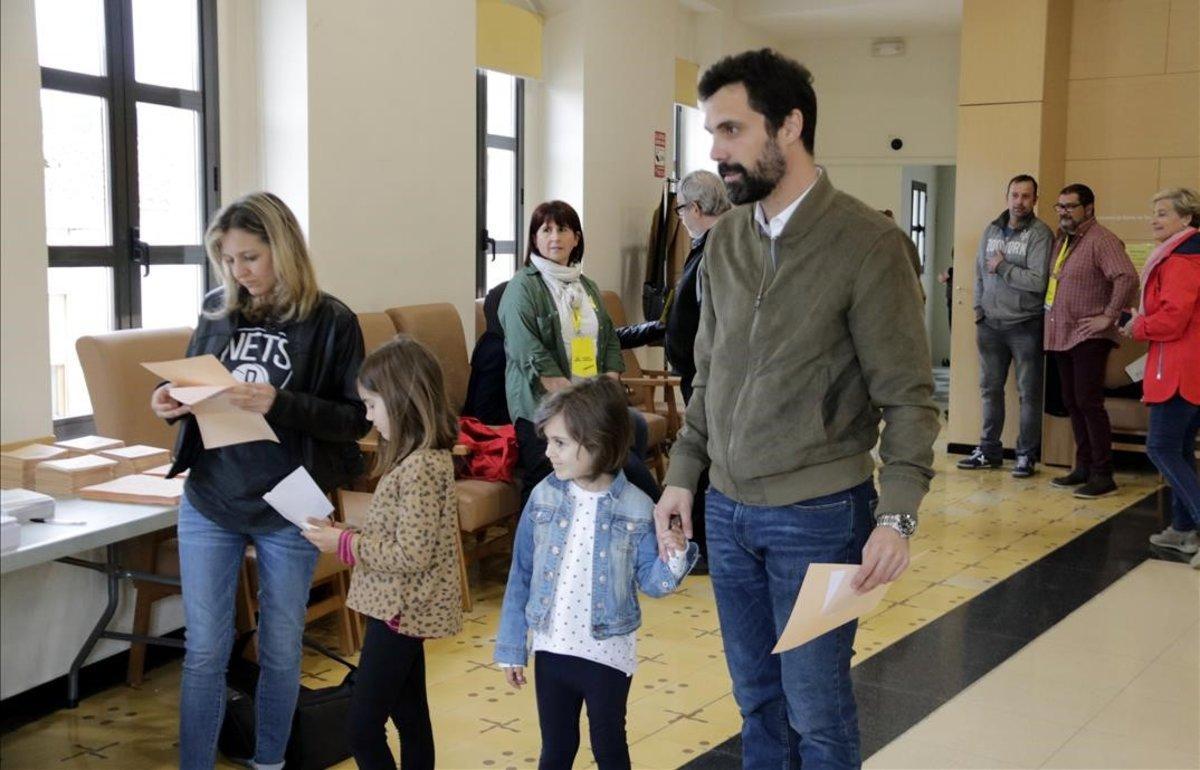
[916, 224]
[130, 144]
[693, 144]
[500, 156]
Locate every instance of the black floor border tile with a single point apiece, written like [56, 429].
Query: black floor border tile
[905, 682]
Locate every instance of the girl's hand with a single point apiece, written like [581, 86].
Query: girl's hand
[1127, 329]
[166, 407]
[515, 676]
[673, 539]
[257, 397]
[324, 535]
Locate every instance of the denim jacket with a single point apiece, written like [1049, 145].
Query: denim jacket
[624, 558]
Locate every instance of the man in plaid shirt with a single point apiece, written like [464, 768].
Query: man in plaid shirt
[1092, 281]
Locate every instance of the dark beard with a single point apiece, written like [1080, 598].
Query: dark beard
[754, 186]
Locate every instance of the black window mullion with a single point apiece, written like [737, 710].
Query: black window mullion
[76, 82]
[481, 255]
[123, 130]
[81, 256]
[167, 97]
[519, 177]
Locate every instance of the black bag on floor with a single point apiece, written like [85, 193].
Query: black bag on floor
[318, 738]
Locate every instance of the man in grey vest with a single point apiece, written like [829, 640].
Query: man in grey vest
[1011, 272]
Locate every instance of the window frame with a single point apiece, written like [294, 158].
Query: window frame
[484, 245]
[122, 94]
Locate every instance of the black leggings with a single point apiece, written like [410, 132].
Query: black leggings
[390, 683]
[563, 683]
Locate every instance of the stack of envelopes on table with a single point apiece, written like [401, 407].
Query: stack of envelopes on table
[66, 477]
[138, 458]
[139, 488]
[25, 505]
[163, 470]
[88, 445]
[16, 467]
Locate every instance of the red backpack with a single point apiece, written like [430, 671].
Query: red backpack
[492, 451]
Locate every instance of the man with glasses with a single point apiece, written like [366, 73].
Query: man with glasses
[1010, 291]
[1091, 283]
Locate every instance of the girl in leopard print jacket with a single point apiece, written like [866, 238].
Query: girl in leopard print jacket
[405, 557]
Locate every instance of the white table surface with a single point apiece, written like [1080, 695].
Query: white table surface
[106, 523]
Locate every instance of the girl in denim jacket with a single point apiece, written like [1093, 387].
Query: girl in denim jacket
[585, 544]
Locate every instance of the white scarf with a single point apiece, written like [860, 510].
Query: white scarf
[570, 296]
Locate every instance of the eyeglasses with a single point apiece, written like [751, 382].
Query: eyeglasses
[1066, 206]
[679, 209]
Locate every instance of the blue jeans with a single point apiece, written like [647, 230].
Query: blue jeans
[798, 707]
[1171, 445]
[209, 559]
[998, 348]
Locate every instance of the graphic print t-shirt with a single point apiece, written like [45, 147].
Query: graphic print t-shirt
[227, 484]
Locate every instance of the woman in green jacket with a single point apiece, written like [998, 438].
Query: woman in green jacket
[555, 330]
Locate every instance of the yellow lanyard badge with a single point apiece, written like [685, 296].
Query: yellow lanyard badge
[1052, 287]
[583, 349]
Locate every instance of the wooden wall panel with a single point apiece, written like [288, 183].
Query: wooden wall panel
[1123, 190]
[1115, 38]
[1003, 50]
[1139, 117]
[1179, 172]
[1183, 36]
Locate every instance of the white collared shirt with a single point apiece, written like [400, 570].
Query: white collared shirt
[780, 220]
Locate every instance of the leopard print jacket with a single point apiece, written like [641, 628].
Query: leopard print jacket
[407, 553]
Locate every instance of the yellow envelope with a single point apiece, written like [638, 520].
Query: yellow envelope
[825, 602]
[201, 382]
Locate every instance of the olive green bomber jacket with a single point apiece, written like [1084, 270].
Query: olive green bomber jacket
[798, 365]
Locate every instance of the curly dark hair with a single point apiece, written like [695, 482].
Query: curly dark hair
[775, 84]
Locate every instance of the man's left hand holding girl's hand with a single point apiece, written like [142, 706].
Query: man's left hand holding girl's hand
[324, 534]
[673, 542]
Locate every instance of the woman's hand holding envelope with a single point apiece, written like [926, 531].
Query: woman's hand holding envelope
[166, 407]
[257, 397]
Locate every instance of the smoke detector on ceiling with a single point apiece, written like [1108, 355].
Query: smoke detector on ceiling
[887, 46]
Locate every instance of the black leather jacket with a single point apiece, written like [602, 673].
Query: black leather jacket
[318, 415]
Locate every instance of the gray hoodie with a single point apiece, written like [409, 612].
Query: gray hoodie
[1016, 292]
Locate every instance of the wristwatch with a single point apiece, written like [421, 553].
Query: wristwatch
[904, 523]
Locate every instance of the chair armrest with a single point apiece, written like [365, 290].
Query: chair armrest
[669, 381]
[656, 373]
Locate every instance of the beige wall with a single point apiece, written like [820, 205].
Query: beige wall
[865, 101]
[391, 151]
[24, 318]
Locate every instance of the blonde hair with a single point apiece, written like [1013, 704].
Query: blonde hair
[296, 292]
[1185, 202]
[409, 380]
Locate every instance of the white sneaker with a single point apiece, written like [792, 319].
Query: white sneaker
[1184, 542]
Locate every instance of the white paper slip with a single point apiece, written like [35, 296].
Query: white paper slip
[298, 499]
[1137, 369]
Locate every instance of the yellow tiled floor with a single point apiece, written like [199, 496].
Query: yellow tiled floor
[977, 528]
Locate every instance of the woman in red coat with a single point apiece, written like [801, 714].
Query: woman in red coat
[1169, 319]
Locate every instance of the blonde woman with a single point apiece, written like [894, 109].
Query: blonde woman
[296, 351]
[1168, 318]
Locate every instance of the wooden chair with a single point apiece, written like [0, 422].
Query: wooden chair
[119, 388]
[663, 418]
[482, 505]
